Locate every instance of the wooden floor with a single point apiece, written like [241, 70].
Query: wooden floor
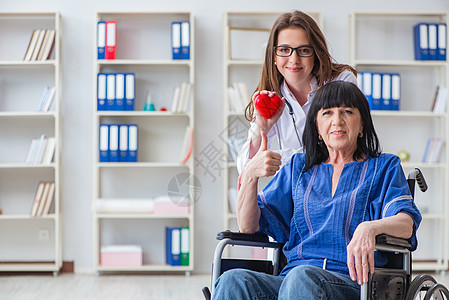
[111, 287]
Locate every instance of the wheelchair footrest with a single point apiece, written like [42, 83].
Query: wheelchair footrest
[265, 266]
[388, 284]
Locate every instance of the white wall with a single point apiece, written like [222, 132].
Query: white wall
[77, 45]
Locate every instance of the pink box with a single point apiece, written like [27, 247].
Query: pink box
[170, 208]
[121, 256]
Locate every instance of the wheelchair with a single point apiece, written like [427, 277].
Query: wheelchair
[393, 281]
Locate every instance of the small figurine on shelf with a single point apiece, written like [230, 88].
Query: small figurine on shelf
[149, 106]
[404, 155]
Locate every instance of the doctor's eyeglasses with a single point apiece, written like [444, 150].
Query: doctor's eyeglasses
[284, 51]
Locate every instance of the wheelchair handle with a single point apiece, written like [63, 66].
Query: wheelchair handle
[417, 175]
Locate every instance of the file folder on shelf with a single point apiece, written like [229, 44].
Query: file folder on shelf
[185, 247]
[123, 141]
[421, 39]
[101, 91]
[442, 41]
[432, 32]
[104, 142]
[367, 89]
[119, 91]
[395, 91]
[130, 80]
[101, 39]
[133, 142]
[377, 91]
[386, 92]
[173, 247]
[111, 39]
[110, 92]
[176, 40]
[113, 143]
[185, 40]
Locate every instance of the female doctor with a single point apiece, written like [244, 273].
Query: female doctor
[297, 63]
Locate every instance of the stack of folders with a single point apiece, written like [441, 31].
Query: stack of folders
[430, 41]
[177, 249]
[181, 98]
[118, 142]
[41, 150]
[238, 97]
[41, 45]
[115, 91]
[382, 90]
[106, 39]
[43, 199]
[180, 40]
[46, 98]
[434, 147]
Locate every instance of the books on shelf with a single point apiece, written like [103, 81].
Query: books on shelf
[46, 98]
[115, 91]
[181, 98]
[430, 41]
[118, 142]
[43, 198]
[177, 246]
[432, 153]
[41, 45]
[440, 100]
[41, 150]
[238, 97]
[187, 145]
[382, 90]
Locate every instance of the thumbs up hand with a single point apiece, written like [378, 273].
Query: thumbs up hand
[265, 163]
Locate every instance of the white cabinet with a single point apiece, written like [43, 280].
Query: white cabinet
[28, 243]
[383, 42]
[143, 47]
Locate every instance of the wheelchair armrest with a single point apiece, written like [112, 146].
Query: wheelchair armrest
[253, 237]
[388, 240]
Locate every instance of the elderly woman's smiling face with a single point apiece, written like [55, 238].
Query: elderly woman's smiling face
[339, 128]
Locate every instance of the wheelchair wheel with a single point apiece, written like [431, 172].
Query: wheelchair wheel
[419, 286]
[437, 291]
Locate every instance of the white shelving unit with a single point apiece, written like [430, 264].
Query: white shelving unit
[240, 66]
[144, 48]
[383, 42]
[22, 83]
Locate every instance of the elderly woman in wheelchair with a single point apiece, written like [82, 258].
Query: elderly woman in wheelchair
[326, 205]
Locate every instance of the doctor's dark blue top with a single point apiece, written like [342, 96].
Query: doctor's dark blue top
[297, 208]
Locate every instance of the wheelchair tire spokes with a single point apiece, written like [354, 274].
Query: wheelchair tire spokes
[421, 283]
[437, 291]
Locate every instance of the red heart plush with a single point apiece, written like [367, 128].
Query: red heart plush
[266, 105]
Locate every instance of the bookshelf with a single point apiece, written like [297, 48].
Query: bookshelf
[22, 85]
[160, 138]
[383, 42]
[241, 65]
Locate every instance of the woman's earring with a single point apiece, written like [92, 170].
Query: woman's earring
[320, 137]
[360, 134]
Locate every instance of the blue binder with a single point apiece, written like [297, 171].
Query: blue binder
[421, 41]
[173, 246]
[110, 91]
[130, 83]
[101, 91]
[185, 40]
[113, 143]
[176, 40]
[367, 87]
[386, 92]
[377, 91]
[123, 143]
[442, 41]
[101, 39]
[395, 91]
[119, 91]
[104, 143]
[433, 36]
[132, 142]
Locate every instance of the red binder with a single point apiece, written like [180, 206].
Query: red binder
[111, 39]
